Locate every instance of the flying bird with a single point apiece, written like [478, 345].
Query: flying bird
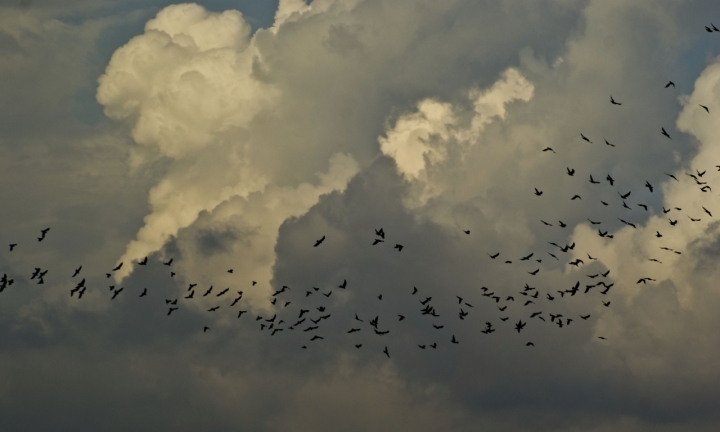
[612, 101]
[665, 133]
[705, 108]
[670, 83]
[317, 242]
[585, 138]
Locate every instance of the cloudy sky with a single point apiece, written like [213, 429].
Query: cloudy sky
[234, 134]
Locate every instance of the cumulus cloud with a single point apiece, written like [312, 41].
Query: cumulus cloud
[428, 119]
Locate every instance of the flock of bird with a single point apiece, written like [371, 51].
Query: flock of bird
[308, 312]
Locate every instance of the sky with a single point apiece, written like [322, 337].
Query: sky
[223, 140]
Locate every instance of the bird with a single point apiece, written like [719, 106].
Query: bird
[537, 192]
[453, 340]
[705, 108]
[344, 284]
[649, 186]
[171, 310]
[169, 263]
[43, 232]
[611, 145]
[399, 247]
[534, 272]
[670, 83]
[612, 101]
[386, 351]
[230, 271]
[77, 270]
[415, 290]
[118, 267]
[519, 326]
[116, 292]
[610, 179]
[494, 256]
[707, 211]
[143, 262]
[562, 224]
[665, 133]
[205, 329]
[466, 232]
[575, 197]
[593, 181]
[570, 172]
[530, 344]
[12, 246]
[144, 293]
[585, 138]
[548, 149]
[318, 242]
[625, 195]
[670, 175]
[208, 291]
[376, 241]
[525, 258]
[380, 233]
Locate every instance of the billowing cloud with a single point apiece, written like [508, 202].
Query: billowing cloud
[226, 147]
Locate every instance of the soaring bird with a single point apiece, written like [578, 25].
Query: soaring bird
[612, 101]
[570, 172]
[670, 83]
[537, 192]
[143, 262]
[77, 270]
[118, 267]
[665, 133]
[705, 108]
[585, 138]
[386, 352]
[317, 242]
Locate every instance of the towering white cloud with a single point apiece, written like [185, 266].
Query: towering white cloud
[187, 89]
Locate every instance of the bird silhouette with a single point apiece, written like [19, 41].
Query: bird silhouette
[318, 242]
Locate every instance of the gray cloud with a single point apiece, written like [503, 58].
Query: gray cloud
[228, 146]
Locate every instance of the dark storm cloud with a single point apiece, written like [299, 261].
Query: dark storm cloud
[355, 84]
